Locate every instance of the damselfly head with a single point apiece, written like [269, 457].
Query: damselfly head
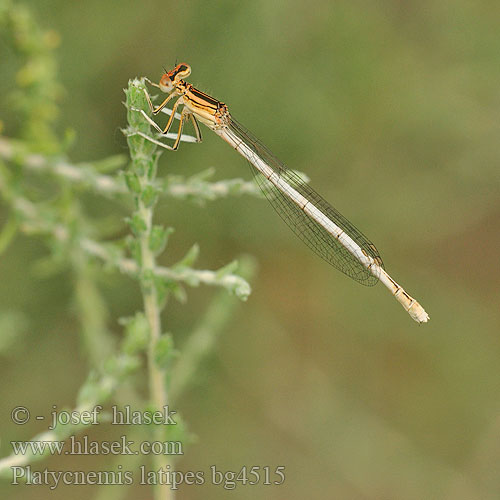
[171, 78]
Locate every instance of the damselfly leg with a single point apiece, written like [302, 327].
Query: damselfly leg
[182, 117]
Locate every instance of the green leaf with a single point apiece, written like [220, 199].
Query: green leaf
[227, 269]
[164, 351]
[149, 196]
[132, 181]
[176, 289]
[179, 432]
[134, 248]
[161, 291]
[189, 259]
[180, 294]
[153, 165]
[136, 333]
[158, 238]
[137, 224]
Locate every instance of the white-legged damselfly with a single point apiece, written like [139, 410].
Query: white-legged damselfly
[310, 216]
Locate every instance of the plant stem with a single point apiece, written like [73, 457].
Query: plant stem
[141, 181]
[157, 380]
[87, 176]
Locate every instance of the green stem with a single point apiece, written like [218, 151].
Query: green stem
[157, 385]
[141, 182]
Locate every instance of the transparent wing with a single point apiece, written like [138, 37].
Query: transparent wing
[306, 228]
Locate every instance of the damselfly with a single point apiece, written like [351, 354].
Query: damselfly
[310, 216]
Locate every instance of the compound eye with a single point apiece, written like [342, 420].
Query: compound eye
[166, 85]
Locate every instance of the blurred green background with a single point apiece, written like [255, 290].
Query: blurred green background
[392, 109]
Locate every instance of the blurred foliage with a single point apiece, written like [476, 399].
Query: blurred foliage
[391, 108]
[54, 213]
[34, 101]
